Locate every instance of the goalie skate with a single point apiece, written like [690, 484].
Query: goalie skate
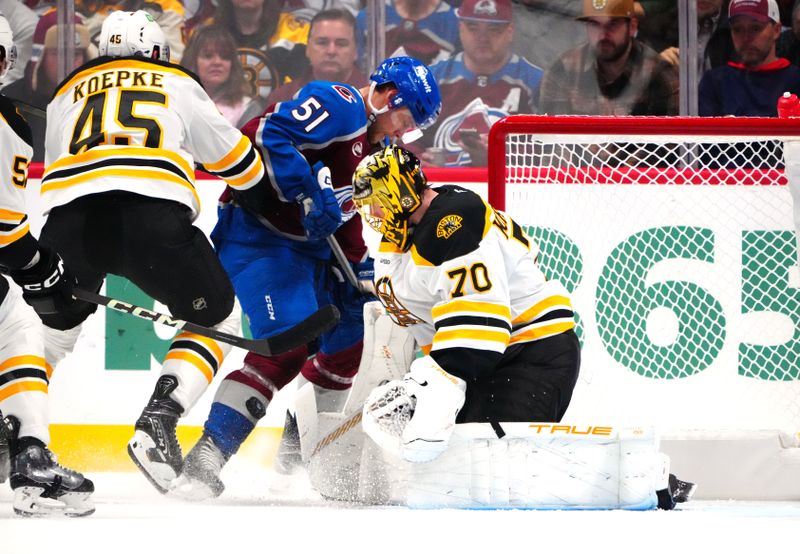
[41, 486]
[200, 478]
[154, 447]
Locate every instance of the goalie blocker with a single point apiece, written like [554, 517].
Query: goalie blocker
[505, 465]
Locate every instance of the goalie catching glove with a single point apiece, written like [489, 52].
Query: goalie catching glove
[46, 284]
[415, 417]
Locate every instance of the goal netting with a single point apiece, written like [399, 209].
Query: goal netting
[675, 237]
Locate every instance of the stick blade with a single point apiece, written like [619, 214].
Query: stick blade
[304, 332]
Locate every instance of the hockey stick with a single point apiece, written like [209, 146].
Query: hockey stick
[30, 109]
[302, 333]
[364, 287]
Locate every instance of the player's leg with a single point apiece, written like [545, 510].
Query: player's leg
[332, 370]
[172, 261]
[41, 486]
[276, 288]
[533, 382]
[74, 230]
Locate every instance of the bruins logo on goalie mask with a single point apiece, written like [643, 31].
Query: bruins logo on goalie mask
[387, 189]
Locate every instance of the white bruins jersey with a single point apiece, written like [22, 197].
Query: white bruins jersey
[139, 125]
[17, 246]
[469, 287]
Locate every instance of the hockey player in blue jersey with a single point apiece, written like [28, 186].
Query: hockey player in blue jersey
[277, 255]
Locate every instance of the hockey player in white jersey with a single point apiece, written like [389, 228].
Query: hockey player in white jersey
[41, 486]
[124, 133]
[498, 337]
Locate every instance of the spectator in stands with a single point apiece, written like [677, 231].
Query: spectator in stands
[789, 42]
[307, 9]
[423, 29]
[751, 86]
[613, 73]
[169, 14]
[545, 29]
[480, 85]
[331, 53]
[270, 41]
[211, 53]
[22, 21]
[659, 30]
[41, 77]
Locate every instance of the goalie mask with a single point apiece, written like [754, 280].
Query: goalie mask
[8, 51]
[133, 34]
[387, 189]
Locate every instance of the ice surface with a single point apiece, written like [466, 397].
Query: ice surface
[261, 512]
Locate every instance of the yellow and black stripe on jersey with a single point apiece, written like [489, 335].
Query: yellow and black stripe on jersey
[548, 317]
[135, 162]
[471, 324]
[241, 168]
[23, 374]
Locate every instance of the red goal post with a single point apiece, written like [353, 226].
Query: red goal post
[675, 238]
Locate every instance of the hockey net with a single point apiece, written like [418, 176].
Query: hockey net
[675, 237]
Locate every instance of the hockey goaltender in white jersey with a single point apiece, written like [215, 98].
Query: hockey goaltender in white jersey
[474, 421]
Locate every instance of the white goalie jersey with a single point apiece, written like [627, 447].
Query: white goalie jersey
[139, 125]
[469, 286]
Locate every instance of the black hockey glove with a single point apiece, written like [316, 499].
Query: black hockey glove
[47, 285]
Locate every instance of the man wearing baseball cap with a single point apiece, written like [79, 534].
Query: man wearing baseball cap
[612, 73]
[751, 85]
[479, 85]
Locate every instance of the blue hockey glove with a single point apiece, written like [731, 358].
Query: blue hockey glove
[322, 214]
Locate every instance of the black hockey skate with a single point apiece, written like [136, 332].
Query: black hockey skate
[154, 447]
[201, 468]
[682, 491]
[288, 457]
[41, 486]
[4, 452]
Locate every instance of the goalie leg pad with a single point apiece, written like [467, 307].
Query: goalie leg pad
[532, 468]
[333, 443]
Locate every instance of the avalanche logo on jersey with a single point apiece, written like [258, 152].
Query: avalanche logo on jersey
[345, 93]
[448, 225]
[448, 133]
[399, 314]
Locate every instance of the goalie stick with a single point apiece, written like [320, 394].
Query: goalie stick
[304, 332]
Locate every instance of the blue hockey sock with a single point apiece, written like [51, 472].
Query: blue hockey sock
[228, 428]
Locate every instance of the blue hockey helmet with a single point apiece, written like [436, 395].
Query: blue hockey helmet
[416, 88]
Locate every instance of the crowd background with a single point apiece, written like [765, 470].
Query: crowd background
[491, 57]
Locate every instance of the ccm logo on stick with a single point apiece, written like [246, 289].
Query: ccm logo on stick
[147, 314]
[570, 429]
